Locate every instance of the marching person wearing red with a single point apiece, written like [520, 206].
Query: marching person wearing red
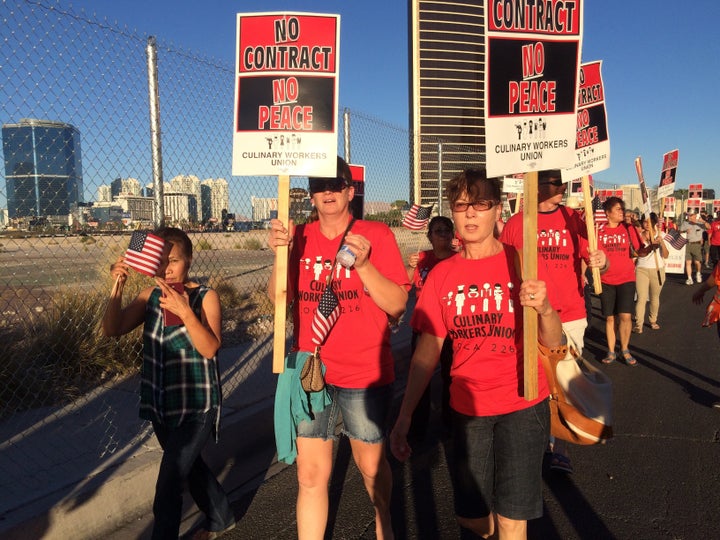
[620, 242]
[356, 350]
[499, 437]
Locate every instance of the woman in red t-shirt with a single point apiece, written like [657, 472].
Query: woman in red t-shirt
[617, 299]
[356, 351]
[475, 298]
[440, 234]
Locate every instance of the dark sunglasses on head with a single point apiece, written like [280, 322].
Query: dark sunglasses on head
[556, 183]
[318, 185]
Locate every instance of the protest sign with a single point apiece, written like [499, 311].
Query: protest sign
[285, 123]
[531, 75]
[286, 94]
[695, 191]
[667, 176]
[668, 207]
[592, 142]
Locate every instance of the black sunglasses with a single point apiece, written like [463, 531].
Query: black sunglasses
[556, 183]
[319, 185]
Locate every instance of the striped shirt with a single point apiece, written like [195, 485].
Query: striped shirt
[177, 383]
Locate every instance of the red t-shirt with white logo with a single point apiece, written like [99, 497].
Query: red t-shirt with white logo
[476, 304]
[616, 242]
[562, 246]
[357, 351]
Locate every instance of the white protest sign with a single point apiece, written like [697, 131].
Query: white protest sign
[531, 83]
[286, 94]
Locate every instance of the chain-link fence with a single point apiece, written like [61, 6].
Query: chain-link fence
[77, 177]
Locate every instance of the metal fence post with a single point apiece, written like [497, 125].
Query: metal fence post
[155, 135]
[346, 134]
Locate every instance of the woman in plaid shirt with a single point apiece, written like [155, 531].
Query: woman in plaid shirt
[180, 386]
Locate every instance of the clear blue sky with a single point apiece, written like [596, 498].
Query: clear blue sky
[660, 66]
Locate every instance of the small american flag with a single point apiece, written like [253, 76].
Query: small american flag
[599, 212]
[417, 217]
[145, 252]
[675, 239]
[326, 315]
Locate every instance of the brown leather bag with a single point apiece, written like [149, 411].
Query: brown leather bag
[580, 398]
[311, 375]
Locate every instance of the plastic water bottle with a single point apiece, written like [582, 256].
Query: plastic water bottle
[345, 256]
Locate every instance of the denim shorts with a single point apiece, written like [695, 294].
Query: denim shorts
[364, 413]
[498, 463]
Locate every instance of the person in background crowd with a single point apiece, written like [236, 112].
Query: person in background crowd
[357, 355]
[180, 384]
[440, 233]
[649, 273]
[498, 436]
[620, 242]
[714, 234]
[712, 282]
[563, 255]
[694, 227]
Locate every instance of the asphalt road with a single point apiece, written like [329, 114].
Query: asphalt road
[659, 478]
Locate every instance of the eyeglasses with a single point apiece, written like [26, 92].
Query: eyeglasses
[480, 205]
[319, 185]
[556, 183]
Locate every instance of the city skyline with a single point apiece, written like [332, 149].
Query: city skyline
[659, 85]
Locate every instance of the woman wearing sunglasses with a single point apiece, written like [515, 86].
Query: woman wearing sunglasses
[356, 353]
[440, 234]
[499, 438]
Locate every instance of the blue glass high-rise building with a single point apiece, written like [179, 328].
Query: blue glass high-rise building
[43, 168]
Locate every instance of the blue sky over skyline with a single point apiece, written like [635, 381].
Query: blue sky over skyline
[659, 58]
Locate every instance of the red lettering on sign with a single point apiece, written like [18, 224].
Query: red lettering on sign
[285, 117]
[587, 136]
[532, 97]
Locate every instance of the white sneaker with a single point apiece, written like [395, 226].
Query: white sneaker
[688, 281]
[698, 277]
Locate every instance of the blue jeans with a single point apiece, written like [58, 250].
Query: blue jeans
[498, 463]
[182, 462]
[364, 412]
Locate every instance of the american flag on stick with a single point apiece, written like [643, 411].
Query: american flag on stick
[145, 252]
[675, 239]
[326, 315]
[417, 217]
[599, 212]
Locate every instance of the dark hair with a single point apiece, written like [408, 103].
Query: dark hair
[177, 237]
[544, 176]
[440, 219]
[476, 184]
[653, 218]
[612, 201]
[342, 171]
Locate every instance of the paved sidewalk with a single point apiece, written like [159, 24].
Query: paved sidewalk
[657, 479]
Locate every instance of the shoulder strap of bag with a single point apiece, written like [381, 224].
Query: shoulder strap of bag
[328, 279]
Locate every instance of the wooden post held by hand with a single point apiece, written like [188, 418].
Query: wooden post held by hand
[590, 224]
[281, 277]
[530, 316]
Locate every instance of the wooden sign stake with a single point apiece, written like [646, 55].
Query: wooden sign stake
[530, 316]
[281, 278]
[590, 224]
